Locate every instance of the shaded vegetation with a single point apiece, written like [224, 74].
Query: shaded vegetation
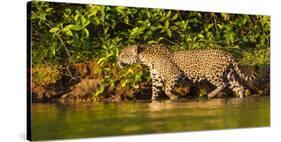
[72, 42]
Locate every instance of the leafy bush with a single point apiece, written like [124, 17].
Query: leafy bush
[64, 34]
[43, 75]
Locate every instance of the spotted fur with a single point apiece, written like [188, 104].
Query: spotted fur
[167, 67]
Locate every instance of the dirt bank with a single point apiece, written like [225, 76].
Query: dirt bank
[86, 85]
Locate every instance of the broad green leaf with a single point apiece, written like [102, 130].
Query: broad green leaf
[83, 20]
[53, 30]
[49, 9]
[73, 27]
[68, 32]
[200, 36]
[53, 49]
[167, 23]
[126, 19]
[174, 28]
[161, 38]
[220, 26]
[152, 42]
[175, 17]
[169, 33]
[76, 17]
[86, 24]
[135, 32]
[86, 32]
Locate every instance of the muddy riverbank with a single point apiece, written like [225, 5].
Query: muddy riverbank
[52, 85]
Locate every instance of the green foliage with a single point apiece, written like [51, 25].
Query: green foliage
[64, 34]
[44, 75]
[260, 57]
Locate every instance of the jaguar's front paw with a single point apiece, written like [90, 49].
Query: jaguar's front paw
[173, 97]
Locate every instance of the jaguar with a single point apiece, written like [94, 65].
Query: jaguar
[167, 67]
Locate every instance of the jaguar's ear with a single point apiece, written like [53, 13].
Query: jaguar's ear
[139, 49]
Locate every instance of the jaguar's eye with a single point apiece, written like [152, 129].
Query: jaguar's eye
[125, 56]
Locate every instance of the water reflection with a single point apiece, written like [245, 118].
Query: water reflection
[54, 121]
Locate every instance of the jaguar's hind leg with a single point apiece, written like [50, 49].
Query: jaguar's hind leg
[216, 91]
[234, 84]
[219, 83]
[169, 87]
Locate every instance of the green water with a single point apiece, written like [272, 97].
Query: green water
[56, 121]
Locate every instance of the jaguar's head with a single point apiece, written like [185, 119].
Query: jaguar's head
[129, 55]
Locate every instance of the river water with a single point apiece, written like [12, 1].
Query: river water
[57, 121]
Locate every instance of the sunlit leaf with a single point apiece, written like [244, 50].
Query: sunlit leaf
[169, 32]
[175, 17]
[73, 27]
[86, 32]
[53, 30]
